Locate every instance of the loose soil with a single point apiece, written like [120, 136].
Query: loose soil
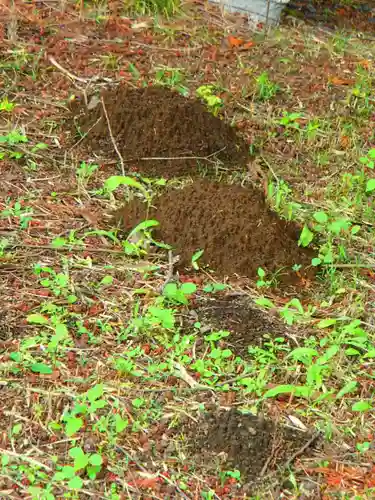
[249, 326]
[156, 122]
[253, 445]
[233, 225]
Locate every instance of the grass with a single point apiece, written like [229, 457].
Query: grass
[100, 376]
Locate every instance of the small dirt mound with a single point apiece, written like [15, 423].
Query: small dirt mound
[233, 225]
[253, 445]
[156, 122]
[248, 324]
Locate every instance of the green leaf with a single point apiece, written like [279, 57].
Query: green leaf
[75, 483]
[107, 280]
[306, 237]
[316, 262]
[263, 301]
[195, 258]
[59, 242]
[95, 392]
[96, 460]
[281, 389]
[188, 288]
[120, 423]
[350, 386]
[321, 217]
[113, 182]
[329, 354]
[143, 226]
[361, 406]
[325, 323]
[261, 272]
[73, 425]
[41, 368]
[370, 185]
[37, 319]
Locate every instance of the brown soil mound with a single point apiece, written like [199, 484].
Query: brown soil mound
[233, 225]
[248, 324]
[156, 122]
[255, 446]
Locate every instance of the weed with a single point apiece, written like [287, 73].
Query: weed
[265, 89]
[164, 7]
[207, 94]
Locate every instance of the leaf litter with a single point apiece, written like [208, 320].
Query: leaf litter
[35, 404]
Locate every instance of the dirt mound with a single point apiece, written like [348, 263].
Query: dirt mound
[156, 122]
[248, 324]
[253, 445]
[233, 225]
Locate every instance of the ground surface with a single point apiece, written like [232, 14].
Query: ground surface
[126, 373]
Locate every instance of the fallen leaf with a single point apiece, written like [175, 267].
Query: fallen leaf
[336, 80]
[234, 41]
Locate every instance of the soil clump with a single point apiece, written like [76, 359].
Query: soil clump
[251, 444]
[176, 134]
[234, 227]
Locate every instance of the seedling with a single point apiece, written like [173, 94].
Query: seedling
[213, 102]
[265, 89]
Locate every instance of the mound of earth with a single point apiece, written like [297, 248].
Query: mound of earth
[253, 445]
[176, 134]
[233, 225]
[249, 326]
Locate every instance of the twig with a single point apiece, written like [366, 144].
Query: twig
[27, 459]
[66, 72]
[112, 138]
[169, 276]
[271, 169]
[302, 449]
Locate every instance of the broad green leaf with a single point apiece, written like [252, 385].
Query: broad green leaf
[113, 182]
[188, 288]
[321, 217]
[75, 483]
[370, 185]
[41, 368]
[350, 386]
[59, 242]
[306, 237]
[95, 392]
[325, 323]
[143, 226]
[73, 425]
[37, 319]
[362, 406]
[263, 301]
[96, 460]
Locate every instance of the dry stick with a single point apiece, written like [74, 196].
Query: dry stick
[112, 138]
[66, 72]
[299, 452]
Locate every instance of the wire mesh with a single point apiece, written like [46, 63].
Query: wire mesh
[259, 12]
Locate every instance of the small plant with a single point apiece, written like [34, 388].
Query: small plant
[6, 106]
[142, 7]
[84, 173]
[265, 89]
[172, 78]
[262, 282]
[207, 94]
[179, 294]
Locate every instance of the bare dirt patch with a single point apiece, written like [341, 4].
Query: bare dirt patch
[233, 225]
[156, 122]
[253, 445]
